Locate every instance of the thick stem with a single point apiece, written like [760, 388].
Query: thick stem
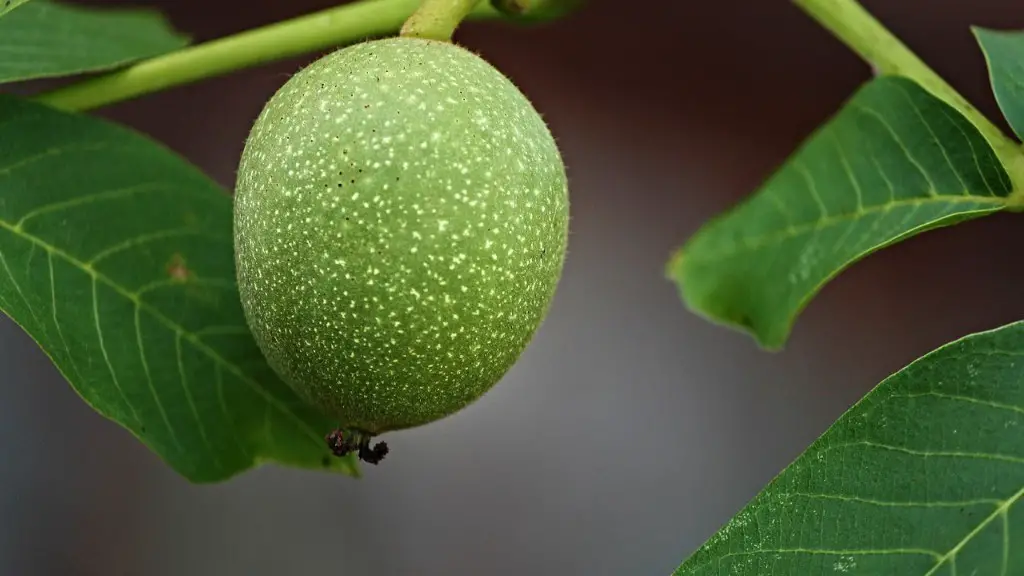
[321, 30]
[438, 19]
[866, 36]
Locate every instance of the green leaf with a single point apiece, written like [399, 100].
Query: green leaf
[894, 162]
[45, 39]
[8, 5]
[1004, 55]
[117, 257]
[923, 477]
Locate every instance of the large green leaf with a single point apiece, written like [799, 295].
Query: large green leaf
[923, 477]
[116, 256]
[1004, 54]
[895, 161]
[44, 39]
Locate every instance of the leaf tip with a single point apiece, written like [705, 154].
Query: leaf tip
[674, 264]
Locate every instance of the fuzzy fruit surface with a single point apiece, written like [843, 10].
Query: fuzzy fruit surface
[401, 221]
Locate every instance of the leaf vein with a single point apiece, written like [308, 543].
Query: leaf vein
[219, 378]
[809, 179]
[767, 239]
[17, 288]
[149, 382]
[175, 282]
[841, 153]
[931, 453]
[932, 189]
[106, 357]
[171, 325]
[935, 139]
[86, 200]
[192, 404]
[974, 153]
[49, 153]
[896, 503]
[143, 239]
[962, 398]
[1001, 509]
[56, 321]
[838, 552]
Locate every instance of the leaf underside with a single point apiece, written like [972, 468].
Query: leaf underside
[1004, 55]
[894, 162]
[116, 256]
[924, 476]
[47, 39]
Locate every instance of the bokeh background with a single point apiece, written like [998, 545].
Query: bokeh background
[630, 430]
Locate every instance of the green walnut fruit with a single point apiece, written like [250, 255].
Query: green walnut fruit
[401, 220]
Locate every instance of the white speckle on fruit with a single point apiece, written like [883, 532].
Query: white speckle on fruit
[401, 222]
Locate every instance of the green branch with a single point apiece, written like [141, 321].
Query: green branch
[318, 31]
[438, 19]
[866, 36]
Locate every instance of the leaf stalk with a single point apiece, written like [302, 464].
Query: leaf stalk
[438, 19]
[875, 44]
[321, 30]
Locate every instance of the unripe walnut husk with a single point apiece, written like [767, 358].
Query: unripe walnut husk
[401, 221]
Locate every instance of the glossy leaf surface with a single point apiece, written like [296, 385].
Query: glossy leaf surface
[923, 477]
[894, 162]
[45, 39]
[116, 256]
[1004, 54]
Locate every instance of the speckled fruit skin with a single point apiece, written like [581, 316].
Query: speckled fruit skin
[401, 221]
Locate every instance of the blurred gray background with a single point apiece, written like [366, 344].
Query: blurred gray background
[631, 430]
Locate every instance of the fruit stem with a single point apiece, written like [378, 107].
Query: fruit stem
[865, 35]
[438, 19]
[317, 31]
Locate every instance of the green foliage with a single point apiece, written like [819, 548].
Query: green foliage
[116, 257]
[894, 162]
[44, 39]
[924, 476]
[1004, 54]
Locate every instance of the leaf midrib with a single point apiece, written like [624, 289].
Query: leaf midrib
[940, 561]
[159, 316]
[764, 240]
[999, 511]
